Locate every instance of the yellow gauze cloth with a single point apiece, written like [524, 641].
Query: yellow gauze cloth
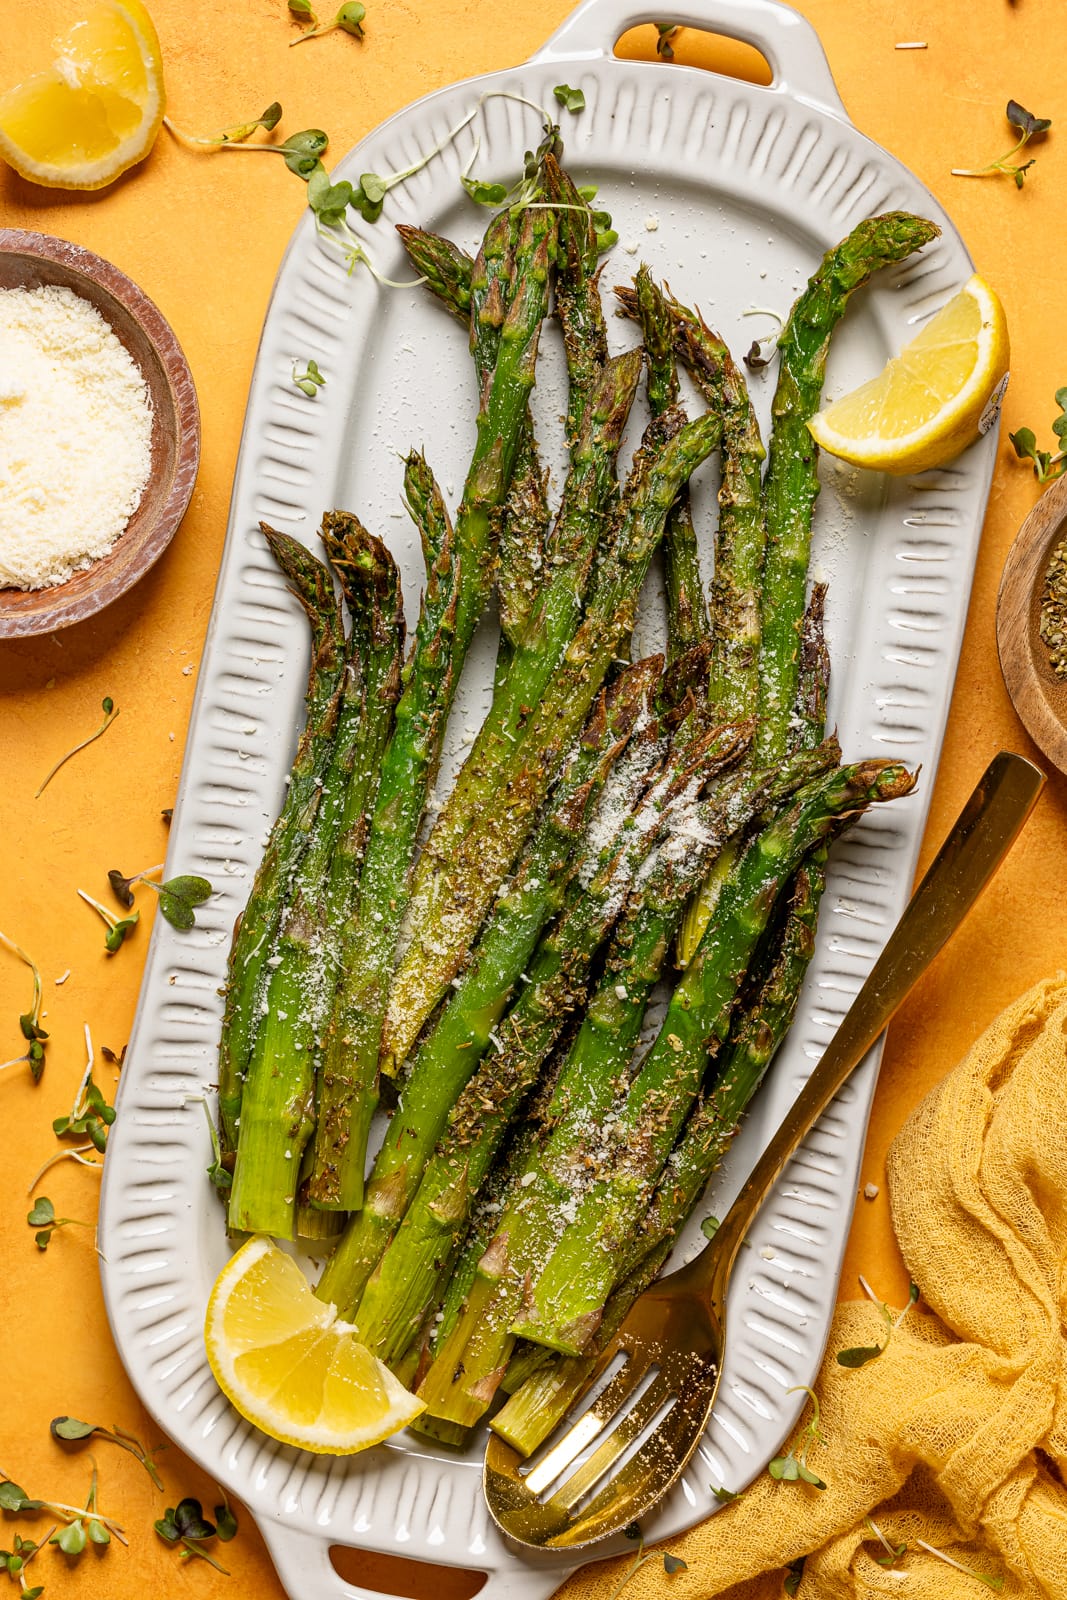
[957, 1434]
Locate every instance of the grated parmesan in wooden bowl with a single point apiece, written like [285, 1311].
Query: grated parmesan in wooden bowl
[93, 500]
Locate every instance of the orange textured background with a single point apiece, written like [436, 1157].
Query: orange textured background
[203, 236]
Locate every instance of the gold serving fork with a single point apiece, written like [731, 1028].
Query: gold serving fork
[674, 1334]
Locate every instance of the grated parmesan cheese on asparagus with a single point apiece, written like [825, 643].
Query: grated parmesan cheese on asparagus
[75, 436]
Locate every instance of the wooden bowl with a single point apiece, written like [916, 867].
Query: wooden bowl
[28, 260]
[1038, 695]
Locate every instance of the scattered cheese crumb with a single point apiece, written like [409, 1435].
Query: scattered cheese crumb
[870, 1191]
[651, 224]
[64, 978]
[767, 1253]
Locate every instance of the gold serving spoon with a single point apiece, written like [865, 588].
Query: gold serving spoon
[675, 1333]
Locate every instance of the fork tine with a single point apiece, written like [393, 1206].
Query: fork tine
[596, 1418]
[631, 1426]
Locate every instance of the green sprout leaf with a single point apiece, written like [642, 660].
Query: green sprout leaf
[14, 1498]
[1025, 121]
[43, 1217]
[70, 1429]
[244, 130]
[859, 1355]
[71, 1539]
[302, 9]
[1046, 464]
[179, 896]
[118, 929]
[225, 1521]
[301, 151]
[570, 99]
[672, 1564]
[310, 381]
[793, 1574]
[724, 1496]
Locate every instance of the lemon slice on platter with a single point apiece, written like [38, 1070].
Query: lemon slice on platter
[933, 399]
[290, 1365]
[96, 110]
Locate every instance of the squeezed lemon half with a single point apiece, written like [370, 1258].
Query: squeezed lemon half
[290, 1365]
[933, 399]
[96, 111]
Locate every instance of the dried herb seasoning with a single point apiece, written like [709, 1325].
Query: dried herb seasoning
[1053, 627]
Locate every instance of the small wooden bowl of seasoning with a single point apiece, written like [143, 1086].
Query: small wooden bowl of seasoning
[1032, 623]
[56, 494]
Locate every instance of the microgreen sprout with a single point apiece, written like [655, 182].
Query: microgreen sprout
[310, 381]
[709, 1227]
[218, 1172]
[97, 1528]
[177, 896]
[368, 196]
[90, 1115]
[186, 1525]
[242, 131]
[1047, 465]
[859, 1355]
[78, 1153]
[15, 1561]
[118, 928]
[349, 19]
[42, 1216]
[793, 1574]
[1028, 127]
[69, 1430]
[724, 1496]
[792, 1467]
[84, 1528]
[524, 190]
[671, 1564]
[572, 100]
[893, 1552]
[29, 1021]
[990, 1581]
[666, 32]
[110, 713]
[761, 351]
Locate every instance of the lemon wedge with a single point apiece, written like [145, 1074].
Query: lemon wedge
[290, 1365]
[934, 398]
[97, 110]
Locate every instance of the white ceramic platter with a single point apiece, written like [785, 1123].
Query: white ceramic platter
[731, 192]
